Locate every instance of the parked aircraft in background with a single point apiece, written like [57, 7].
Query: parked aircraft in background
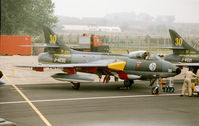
[139, 65]
[183, 53]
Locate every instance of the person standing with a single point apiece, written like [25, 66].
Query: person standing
[187, 82]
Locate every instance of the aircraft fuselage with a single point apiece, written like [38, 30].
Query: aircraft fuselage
[148, 69]
[184, 58]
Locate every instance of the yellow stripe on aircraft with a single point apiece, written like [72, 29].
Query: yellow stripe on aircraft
[185, 55]
[62, 55]
[118, 66]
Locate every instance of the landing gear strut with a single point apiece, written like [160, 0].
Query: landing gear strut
[155, 90]
[128, 83]
[75, 86]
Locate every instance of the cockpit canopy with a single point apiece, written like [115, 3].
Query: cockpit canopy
[136, 54]
[144, 55]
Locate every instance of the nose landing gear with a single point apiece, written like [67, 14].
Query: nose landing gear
[155, 90]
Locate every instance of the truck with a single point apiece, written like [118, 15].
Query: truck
[92, 43]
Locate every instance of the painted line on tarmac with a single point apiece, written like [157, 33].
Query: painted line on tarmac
[87, 98]
[28, 101]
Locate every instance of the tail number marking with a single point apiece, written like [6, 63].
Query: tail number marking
[60, 60]
[178, 41]
[53, 39]
[186, 59]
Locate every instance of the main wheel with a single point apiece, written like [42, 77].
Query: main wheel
[76, 86]
[128, 83]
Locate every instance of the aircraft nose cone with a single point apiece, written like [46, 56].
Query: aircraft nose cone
[178, 71]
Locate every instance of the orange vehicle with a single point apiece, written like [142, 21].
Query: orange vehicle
[11, 45]
[91, 43]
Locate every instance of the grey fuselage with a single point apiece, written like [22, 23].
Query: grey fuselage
[184, 58]
[146, 69]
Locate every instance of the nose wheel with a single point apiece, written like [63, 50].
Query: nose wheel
[75, 86]
[155, 90]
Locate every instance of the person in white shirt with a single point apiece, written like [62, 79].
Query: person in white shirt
[187, 82]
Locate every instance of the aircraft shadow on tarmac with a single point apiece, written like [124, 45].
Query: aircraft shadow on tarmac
[87, 86]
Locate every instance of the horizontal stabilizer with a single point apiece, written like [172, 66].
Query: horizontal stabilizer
[72, 77]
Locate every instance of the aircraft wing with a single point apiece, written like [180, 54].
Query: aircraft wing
[115, 65]
[195, 66]
[188, 64]
[106, 67]
[99, 63]
[62, 65]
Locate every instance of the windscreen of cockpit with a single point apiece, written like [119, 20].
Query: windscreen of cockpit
[154, 57]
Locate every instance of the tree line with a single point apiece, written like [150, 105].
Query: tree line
[26, 17]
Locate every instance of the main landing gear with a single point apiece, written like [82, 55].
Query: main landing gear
[75, 86]
[128, 83]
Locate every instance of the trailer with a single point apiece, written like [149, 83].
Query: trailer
[11, 45]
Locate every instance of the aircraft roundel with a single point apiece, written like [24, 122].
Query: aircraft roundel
[152, 66]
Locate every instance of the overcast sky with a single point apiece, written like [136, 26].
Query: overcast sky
[183, 10]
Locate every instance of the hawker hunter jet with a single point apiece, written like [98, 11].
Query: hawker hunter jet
[139, 65]
[183, 53]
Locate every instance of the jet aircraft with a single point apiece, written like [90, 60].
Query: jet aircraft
[183, 53]
[128, 67]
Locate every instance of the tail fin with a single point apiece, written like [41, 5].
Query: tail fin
[179, 45]
[54, 45]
